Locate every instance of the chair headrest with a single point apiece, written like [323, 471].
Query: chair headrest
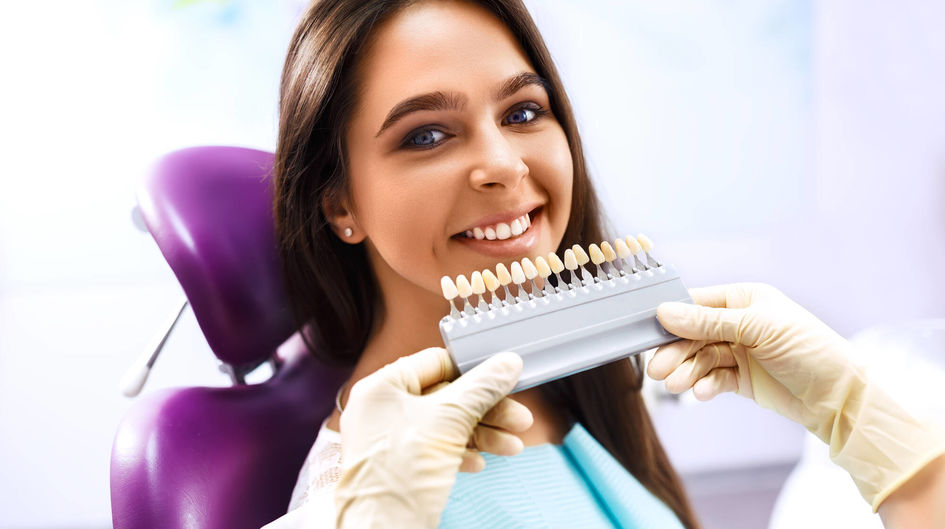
[210, 211]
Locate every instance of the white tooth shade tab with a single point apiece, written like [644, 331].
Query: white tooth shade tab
[645, 243]
[529, 268]
[555, 262]
[580, 254]
[597, 256]
[449, 288]
[543, 269]
[634, 246]
[492, 283]
[502, 273]
[570, 261]
[463, 286]
[516, 227]
[622, 251]
[502, 231]
[609, 254]
[518, 275]
[478, 286]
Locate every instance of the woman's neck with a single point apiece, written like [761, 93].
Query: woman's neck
[406, 321]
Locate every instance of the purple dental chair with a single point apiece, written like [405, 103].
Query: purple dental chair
[221, 458]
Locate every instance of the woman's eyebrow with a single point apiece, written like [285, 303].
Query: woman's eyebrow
[431, 101]
[517, 82]
[454, 101]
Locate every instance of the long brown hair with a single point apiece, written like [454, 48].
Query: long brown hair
[331, 284]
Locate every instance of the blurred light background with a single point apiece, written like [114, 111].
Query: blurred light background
[794, 142]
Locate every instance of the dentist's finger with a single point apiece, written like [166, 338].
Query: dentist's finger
[669, 357]
[509, 415]
[711, 356]
[472, 461]
[718, 381]
[498, 442]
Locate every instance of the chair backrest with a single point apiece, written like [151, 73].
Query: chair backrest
[215, 458]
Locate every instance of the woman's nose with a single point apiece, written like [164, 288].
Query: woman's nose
[497, 163]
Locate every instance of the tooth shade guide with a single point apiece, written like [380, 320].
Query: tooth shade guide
[448, 288]
[450, 293]
[647, 246]
[492, 284]
[538, 271]
[567, 332]
[502, 273]
[465, 290]
[645, 243]
[580, 254]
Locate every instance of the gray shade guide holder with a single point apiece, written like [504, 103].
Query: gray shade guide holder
[572, 330]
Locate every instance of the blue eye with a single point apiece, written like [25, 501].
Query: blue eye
[425, 138]
[524, 114]
[521, 115]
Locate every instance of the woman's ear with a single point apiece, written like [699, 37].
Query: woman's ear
[340, 216]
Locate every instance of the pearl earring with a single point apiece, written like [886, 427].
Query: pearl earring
[349, 232]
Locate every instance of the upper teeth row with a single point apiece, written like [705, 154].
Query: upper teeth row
[501, 231]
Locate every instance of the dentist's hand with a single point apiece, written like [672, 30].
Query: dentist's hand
[752, 339]
[405, 433]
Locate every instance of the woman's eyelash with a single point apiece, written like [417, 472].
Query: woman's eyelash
[409, 142]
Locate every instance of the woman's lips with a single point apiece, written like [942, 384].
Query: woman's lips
[513, 247]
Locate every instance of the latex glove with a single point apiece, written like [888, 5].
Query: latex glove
[752, 339]
[401, 450]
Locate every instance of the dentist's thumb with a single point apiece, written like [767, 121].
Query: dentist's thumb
[483, 386]
[698, 322]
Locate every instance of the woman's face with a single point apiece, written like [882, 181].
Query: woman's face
[452, 134]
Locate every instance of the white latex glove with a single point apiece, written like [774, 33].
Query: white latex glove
[752, 339]
[402, 449]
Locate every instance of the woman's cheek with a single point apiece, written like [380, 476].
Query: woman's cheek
[407, 225]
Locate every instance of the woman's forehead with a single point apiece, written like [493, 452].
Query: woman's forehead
[430, 46]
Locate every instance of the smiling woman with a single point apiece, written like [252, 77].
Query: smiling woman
[424, 139]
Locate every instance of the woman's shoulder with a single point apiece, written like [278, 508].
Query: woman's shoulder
[321, 470]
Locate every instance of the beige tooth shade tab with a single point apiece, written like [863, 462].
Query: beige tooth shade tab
[609, 254]
[502, 273]
[645, 243]
[449, 288]
[597, 256]
[463, 286]
[492, 283]
[543, 269]
[478, 286]
[622, 251]
[518, 275]
[580, 254]
[555, 262]
[634, 246]
[529, 268]
[570, 261]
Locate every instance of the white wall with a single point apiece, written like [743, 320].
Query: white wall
[790, 142]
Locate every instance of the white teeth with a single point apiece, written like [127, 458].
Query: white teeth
[502, 231]
[516, 227]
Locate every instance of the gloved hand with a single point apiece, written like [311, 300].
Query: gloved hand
[401, 449]
[752, 339]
